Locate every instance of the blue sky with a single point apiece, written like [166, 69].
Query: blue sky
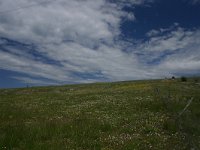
[55, 42]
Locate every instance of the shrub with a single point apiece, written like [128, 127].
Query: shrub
[173, 78]
[196, 80]
[183, 79]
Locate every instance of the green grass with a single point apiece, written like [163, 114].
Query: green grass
[103, 116]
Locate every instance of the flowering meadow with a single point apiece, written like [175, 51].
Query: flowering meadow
[135, 115]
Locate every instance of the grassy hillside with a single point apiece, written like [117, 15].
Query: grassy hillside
[104, 116]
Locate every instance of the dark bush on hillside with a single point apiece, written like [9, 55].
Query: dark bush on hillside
[183, 79]
[196, 80]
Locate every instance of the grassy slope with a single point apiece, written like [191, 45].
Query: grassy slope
[106, 116]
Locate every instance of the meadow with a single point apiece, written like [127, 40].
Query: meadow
[134, 115]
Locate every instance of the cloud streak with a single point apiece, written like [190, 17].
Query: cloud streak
[79, 42]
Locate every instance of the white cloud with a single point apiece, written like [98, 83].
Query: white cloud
[195, 1]
[175, 52]
[67, 32]
[177, 38]
[131, 16]
[134, 2]
[61, 20]
[82, 37]
[153, 33]
[32, 67]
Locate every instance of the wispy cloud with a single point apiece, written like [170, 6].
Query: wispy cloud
[31, 81]
[177, 51]
[78, 41]
[193, 2]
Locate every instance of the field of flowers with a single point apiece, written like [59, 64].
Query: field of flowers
[103, 116]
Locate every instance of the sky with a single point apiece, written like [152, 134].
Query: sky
[56, 42]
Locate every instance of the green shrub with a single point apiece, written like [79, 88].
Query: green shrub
[183, 79]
